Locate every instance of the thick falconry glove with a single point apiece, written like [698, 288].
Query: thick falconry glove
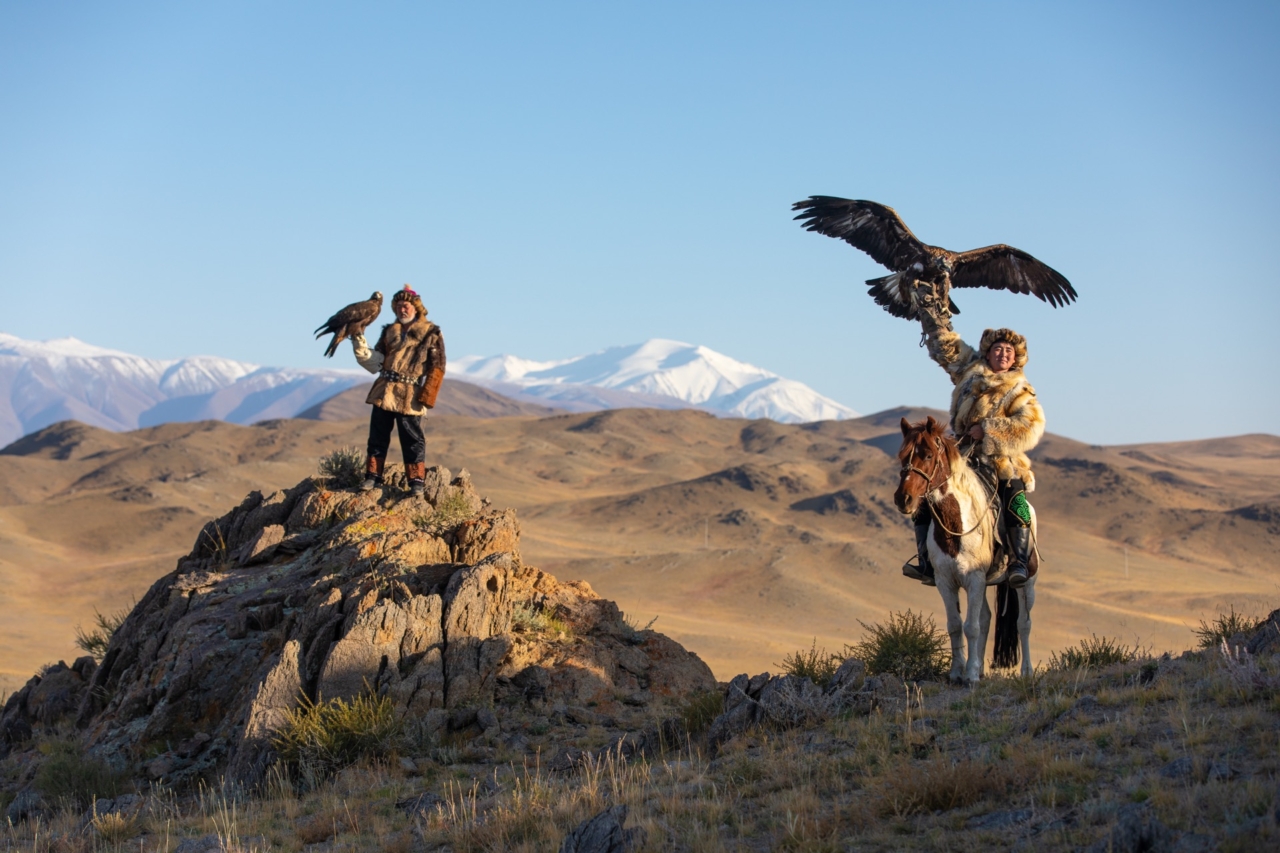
[370, 360]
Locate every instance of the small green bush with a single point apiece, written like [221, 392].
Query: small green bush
[95, 640]
[1211, 634]
[817, 665]
[906, 644]
[452, 510]
[67, 776]
[325, 737]
[344, 467]
[526, 617]
[1093, 653]
[702, 710]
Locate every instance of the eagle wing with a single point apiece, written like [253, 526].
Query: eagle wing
[867, 225]
[1002, 267]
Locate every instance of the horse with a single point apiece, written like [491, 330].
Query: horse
[963, 550]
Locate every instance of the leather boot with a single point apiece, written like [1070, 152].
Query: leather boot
[417, 474]
[373, 473]
[924, 571]
[1019, 543]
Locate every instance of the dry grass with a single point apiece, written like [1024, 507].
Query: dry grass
[1051, 762]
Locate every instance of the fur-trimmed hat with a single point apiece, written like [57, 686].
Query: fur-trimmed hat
[408, 294]
[991, 337]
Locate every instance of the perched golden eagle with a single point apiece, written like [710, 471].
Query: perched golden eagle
[350, 321]
[881, 233]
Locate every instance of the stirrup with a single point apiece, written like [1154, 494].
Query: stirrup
[913, 571]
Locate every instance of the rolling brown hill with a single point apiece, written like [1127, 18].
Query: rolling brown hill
[456, 398]
[747, 539]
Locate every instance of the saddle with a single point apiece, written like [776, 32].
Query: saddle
[991, 486]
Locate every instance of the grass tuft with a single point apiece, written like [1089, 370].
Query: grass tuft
[817, 665]
[344, 467]
[528, 618]
[906, 644]
[322, 738]
[68, 777]
[1225, 626]
[452, 510]
[1093, 653]
[95, 640]
[701, 711]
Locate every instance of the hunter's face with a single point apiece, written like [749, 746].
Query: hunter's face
[1001, 356]
[405, 311]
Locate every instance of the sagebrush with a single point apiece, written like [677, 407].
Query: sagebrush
[343, 467]
[1223, 627]
[1093, 653]
[817, 665]
[907, 644]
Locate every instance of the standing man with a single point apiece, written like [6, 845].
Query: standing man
[409, 360]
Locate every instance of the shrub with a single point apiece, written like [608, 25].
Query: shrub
[526, 617]
[344, 467]
[325, 737]
[68, 776]
[701, 711]
[96, 640]
[816, 664]
[906, 644]
[1211, 634]
[1093, 653]
[452, 509]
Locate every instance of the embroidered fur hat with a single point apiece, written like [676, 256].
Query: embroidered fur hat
[991, 337]
[408, 294]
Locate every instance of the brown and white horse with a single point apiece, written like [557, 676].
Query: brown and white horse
[962, 549]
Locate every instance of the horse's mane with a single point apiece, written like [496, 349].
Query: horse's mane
[924, 433]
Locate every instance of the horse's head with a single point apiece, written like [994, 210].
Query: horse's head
[927, 457]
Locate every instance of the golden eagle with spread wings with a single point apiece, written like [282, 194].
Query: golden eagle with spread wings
[878, 230]
[350, 321]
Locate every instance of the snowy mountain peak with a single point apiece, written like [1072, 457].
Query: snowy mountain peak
[694, 375]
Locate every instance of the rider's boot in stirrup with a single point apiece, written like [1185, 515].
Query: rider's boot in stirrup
[924, 571]
[1019, 555]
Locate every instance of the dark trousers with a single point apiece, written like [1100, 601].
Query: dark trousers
[412, 442]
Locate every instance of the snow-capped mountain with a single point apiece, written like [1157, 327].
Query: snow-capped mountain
[671, 372]
[43, 382]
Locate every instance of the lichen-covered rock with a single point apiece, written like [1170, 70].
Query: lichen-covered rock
[313, 594]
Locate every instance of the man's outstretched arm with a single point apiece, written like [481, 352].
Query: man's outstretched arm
[944, 345]
[369, 359]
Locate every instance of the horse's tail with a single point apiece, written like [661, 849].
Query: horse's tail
[1005, 655]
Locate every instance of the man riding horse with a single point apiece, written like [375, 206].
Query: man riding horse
[997, 419]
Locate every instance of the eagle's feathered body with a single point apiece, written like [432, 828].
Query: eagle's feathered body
[350, 321]
[878, 230]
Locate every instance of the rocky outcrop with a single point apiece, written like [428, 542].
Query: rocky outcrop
[316, 594]
[788, 701]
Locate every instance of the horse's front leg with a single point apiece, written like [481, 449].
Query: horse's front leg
[1027, 596]
[975, 589]
[951, 606]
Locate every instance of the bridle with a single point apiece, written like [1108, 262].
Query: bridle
[909, 468]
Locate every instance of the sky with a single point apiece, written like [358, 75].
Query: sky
[557, 178]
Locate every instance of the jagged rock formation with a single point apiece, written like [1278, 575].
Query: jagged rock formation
[318, 593]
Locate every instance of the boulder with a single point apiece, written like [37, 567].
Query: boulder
[312, 594]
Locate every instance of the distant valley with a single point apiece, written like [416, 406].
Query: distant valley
[747, 539]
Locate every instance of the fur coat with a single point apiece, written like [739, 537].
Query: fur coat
[409, 350]
[1003, 403]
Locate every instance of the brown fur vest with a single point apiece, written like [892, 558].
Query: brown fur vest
[411, 351]
[1003, 403]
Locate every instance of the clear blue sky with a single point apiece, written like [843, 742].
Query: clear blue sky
[555, 178]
